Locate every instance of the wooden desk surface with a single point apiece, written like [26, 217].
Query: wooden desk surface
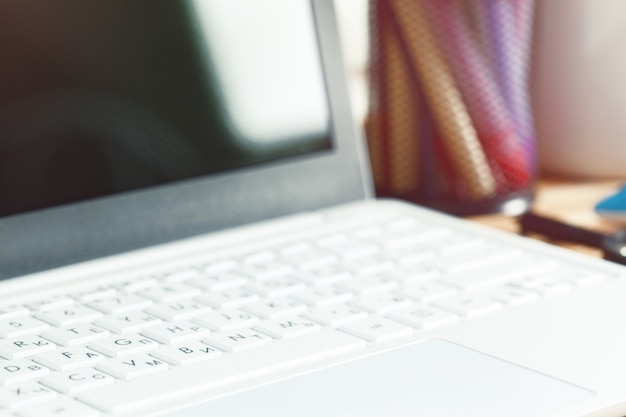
[570, 201]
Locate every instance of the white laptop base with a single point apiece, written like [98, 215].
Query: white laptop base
[369, 309]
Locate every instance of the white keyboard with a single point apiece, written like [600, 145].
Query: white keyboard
[184, 330]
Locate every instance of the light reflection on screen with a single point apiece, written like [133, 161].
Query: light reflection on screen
[272, 94]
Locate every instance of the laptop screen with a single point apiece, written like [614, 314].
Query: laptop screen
[127, 124]
[104, 97]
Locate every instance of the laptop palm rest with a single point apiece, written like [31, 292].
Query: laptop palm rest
[433, 378]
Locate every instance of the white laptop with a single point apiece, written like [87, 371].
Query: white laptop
[187, 228]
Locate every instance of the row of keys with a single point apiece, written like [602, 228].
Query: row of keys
[101, 342]
[467, 305]
[284, 259]
[99, 371]
[483, 276]
[126, 357]
[520, 288]
[50, 396]
[491, 268]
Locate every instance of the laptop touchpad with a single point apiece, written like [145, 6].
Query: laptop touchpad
[432, 378]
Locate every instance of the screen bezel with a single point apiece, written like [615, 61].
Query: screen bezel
[49, 238]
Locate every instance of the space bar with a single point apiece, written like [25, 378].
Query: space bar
[180, 382]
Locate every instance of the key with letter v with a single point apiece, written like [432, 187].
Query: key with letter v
[132, 366]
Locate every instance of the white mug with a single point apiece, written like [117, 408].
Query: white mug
[579, 87]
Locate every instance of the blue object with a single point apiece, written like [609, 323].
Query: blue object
[614, 206]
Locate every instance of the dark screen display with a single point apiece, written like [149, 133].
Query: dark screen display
[105, 96]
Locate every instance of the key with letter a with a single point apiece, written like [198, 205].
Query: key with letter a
[64, 359]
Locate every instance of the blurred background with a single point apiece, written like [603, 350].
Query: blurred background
[441, 88]
[577, 93]
[578, 82]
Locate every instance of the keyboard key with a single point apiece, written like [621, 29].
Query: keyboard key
[219, 266]
[20, 326]
[275, 308]
[21, 370]
[24, 346]
[473, 305]
[65, 359]
[456, 243]
[323, 296]
[412, 274]
[582, 278]
[187, 353]
[265, 360]
[472, 259]
[414, 236]
[68, 315]
[412, 255]
[324, 275]
[94, 293]
[135, 284]
[354, 251]
[12, 311]
[124, 345]
[287, 327]
[131, 367]
[424, 317]
[296, 248]
[50, 303]
[370, 232]
[237, 340]
[382, 303]
[226, 320]
[131, 322]
[312, 259]
[553, 287]
[169, 292]
[178, 310]
[176, 332]
[543, 284]
[368, 284]
[333, 240]
[75, 335]
[428, 291]
[377, 329]
[373, 265]
[260, 258]
[180, 275]
[77, 380]
[229, 299]
[64, 406]
[263, 271]
[118, 304]
[531, 281]
[491, 275]
[219, 281]
[512, 296]
[25, 394]
[278, 287]
[335, 316]
[404, 223]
